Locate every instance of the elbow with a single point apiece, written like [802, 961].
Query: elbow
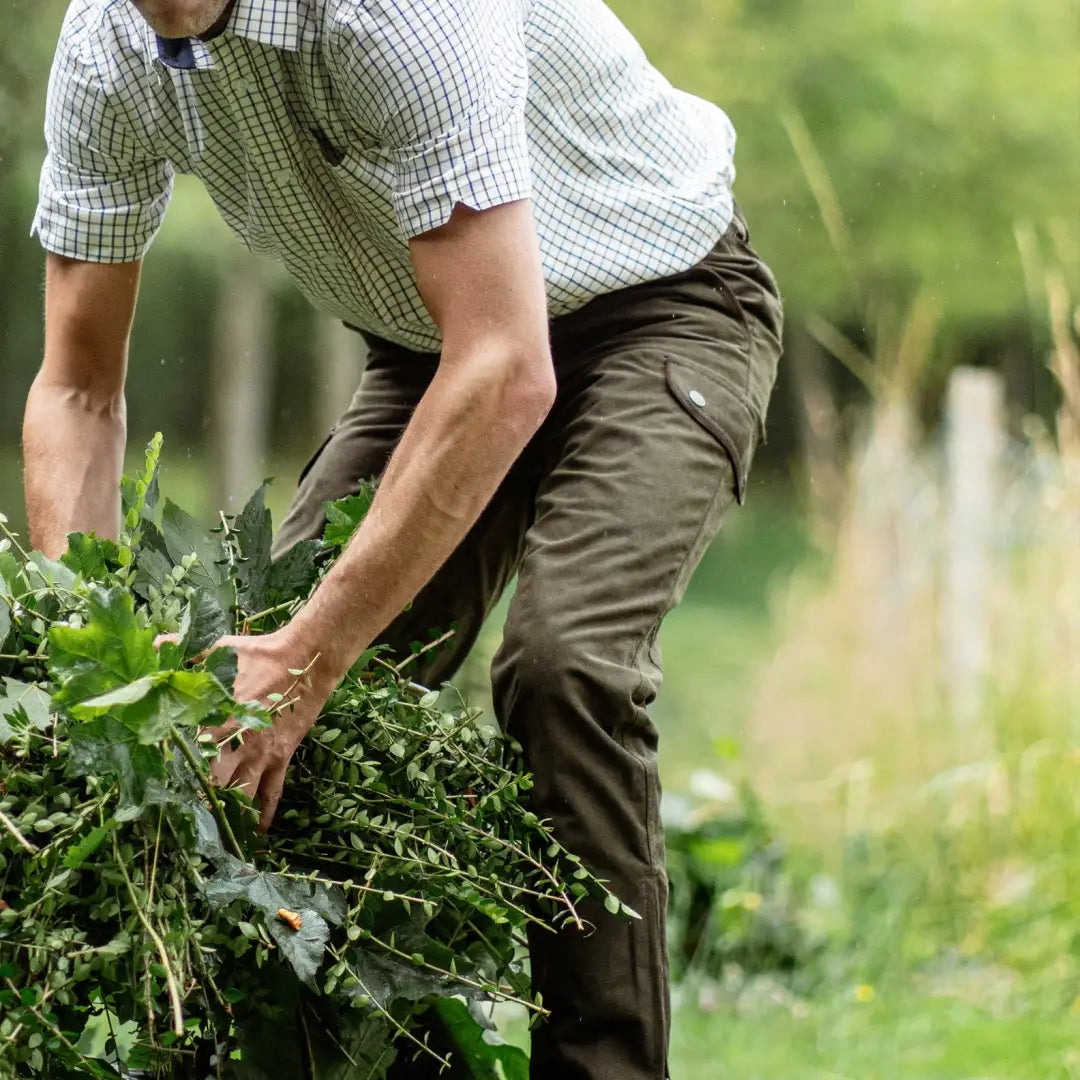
[529, 393]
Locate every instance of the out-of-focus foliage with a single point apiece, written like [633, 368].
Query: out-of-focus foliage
[938, 124]
[927, 129]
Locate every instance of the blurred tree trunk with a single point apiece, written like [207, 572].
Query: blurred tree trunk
[818, 421]
[242, 378]
[974, 449]
[340, 355]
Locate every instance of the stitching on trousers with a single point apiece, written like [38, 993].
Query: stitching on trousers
[651, 632]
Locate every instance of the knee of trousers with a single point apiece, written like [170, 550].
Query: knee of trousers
[587, 739]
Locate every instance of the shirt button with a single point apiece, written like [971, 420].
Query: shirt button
[697, 398]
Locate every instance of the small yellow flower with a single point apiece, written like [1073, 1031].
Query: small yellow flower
[751, 901]
[864, 994]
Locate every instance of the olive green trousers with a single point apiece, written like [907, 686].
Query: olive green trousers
[662, 392]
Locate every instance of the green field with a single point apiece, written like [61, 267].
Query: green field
[900, 1034]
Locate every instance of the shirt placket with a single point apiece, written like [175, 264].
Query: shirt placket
[264, 126]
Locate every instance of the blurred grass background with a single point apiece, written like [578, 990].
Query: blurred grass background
[869, 882]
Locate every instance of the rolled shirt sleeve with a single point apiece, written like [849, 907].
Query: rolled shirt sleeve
[101, 197]
[441, 88]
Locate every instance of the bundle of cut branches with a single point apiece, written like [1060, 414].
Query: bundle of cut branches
[146, 927]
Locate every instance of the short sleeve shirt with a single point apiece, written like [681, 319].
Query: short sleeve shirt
[330, 132]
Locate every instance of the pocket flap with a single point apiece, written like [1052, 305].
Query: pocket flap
[719, 408]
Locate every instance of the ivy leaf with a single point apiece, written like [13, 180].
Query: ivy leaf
[343, 516]
[184, 536]
[202, 623]
[223, 665]
[293, 576]
[253, 531]
[385, 978]
[104, 747]
[483, 1055]
[152, 562]
[89, 556]
[112, 649]
[303, 948]
[236, 880]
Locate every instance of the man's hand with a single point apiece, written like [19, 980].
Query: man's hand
[257, 760]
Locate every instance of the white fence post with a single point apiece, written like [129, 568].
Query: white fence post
[974, 445]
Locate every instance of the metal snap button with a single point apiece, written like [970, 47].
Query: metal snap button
[697, 398]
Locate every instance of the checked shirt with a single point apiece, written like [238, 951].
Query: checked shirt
[330, 132]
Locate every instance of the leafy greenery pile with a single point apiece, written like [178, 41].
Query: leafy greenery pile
[146, 928]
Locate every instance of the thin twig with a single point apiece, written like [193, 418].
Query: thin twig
[14, 540]
[11, 828]
[444, 1062]
[155, 937]
[426, 649]
[211, 796]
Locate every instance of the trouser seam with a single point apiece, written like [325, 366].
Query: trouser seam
[649, 635]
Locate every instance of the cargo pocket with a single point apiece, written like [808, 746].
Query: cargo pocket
[722, 410]
[313, 460]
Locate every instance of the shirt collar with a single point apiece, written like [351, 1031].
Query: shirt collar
[270, 22]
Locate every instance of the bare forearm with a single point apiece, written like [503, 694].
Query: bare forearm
[73, 447]
[462, 440]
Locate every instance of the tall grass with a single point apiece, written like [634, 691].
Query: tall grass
[956, 834]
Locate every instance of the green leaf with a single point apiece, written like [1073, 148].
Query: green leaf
[155, 705]
[5, 623]
[304, 948]
[202, 623]
[477, 1052]
[343, 516]
[89, 556]
[78, 853]
[385, 978]
[145, 503]
[223, 665]
[236, 880]
[152, 562]
[104, 747]
[30, 701]
[110, 650]
[41, 571]
[11, 573]
[253, 531]
[185, 536]
[294, 575]
[123, 695]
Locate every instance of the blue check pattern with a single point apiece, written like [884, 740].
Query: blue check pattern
[330, 132]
